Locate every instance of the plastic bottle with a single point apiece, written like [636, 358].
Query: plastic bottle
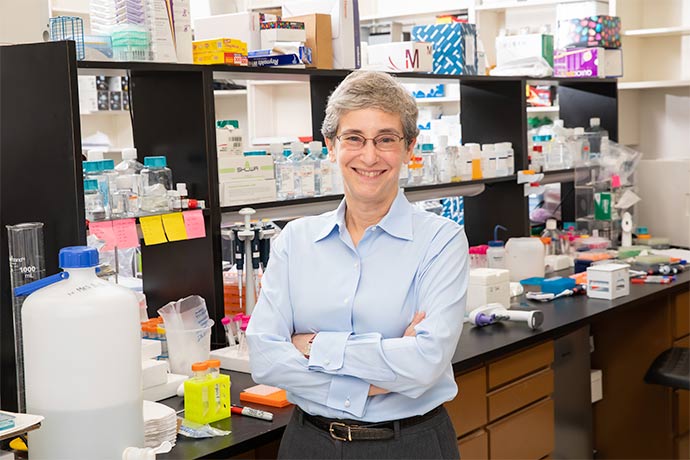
[465, 163]
[416, 168]
[582, 142]
[488, 160]
[125, 201]
[428, 163]
[524, 258]
[536, 159]
[129, 163]
[475, 153]
[94, 170]
[285, 178]
[336, 173]
[510, 160]
[324, 168]
[554, 237]
[496, 254]
[108, 170]
[93, 201]
[90, 396]
[446, 163]
[296, 154]
[595, 133]
[184, 198]
[556, 157]
[310, 170]
[156, 179]
[200, 373]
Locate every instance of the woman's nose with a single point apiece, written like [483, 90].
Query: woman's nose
[369, 155]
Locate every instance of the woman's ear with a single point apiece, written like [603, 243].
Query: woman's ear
[409, 151]
[330, 145]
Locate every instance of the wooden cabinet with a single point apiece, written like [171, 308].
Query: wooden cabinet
[681, 404]
[681, 315]
[504, 408]
[682, 447]
[527, 434]
[468, 410]
[474, 445]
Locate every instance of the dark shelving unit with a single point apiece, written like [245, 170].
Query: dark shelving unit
[173, 114]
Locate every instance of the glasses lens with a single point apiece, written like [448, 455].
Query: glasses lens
[387, 142]
[352, 141]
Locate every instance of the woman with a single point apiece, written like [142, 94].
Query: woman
[361, 309]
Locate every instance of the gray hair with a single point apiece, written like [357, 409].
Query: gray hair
[367, 89]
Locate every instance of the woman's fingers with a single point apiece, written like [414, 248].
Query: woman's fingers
[418, 317]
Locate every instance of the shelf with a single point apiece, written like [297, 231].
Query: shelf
[205, 212]
[658, 32]
[502, 6]
[551, 109]
[651, 84]
[105, 112]
[437, 100]
[230, 92]
[302, 206]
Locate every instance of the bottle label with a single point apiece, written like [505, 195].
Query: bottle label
[326, 178]
[307, 174]
[287, 179]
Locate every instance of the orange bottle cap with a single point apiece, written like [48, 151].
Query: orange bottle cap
[196, 367]
[213, 363]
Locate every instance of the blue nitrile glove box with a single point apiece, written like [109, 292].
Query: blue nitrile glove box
[455, 46]
[557, 285]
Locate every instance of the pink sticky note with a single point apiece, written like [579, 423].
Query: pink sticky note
[194, 223]
[615, 181]
[125, 231]
[104, 231]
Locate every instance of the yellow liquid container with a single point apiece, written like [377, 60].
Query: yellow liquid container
[476, 169]
[207, 395]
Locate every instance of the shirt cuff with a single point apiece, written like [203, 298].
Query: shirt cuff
[348, 394]
[328, 351]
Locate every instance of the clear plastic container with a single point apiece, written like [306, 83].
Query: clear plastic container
[478, 256]
[125, 201]
[285, 177]
[93, 169]
[296, 154]
[129, 163]
[428, 164]
[93, 201]
[595, 134]
[156, 180]
[310, 173]
[525, 258]
[554, 236]
[84, 378]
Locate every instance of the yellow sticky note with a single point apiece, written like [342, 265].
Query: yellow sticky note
[174, 226]
[152, 229]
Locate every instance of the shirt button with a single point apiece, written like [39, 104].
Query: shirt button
[345, 301]
[347, 403]
[327, 362]
[356, 265]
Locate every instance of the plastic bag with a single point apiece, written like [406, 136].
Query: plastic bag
[196, 430]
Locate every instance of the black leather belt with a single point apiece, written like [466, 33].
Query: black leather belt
[353, 430]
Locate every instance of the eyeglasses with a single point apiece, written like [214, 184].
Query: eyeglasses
[382, 142]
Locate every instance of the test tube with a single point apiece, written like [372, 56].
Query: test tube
[27, 264]
[228, 331]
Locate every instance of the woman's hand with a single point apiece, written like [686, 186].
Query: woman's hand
[409, 332]
[302, 342]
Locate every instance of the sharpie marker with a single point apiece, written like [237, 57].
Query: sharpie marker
[249, 412]
[653, 280]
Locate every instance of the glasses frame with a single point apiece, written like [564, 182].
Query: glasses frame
[372, 139]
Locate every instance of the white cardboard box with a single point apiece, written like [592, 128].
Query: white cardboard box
[488, 285]
[153, 372]
[183, 31]
[270, 36]
[608, 281]
[240, 167]
[247, 191]
[241, 26]
[344, 27]
[402, 56]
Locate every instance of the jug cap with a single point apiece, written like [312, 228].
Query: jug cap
[155, 162]
[78, 257]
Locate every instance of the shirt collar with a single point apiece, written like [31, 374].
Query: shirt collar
[397, 222]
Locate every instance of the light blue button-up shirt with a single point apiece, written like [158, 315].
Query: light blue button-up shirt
[359, 300]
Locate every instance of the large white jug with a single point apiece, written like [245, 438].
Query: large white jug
[82, 354]
[525, 258]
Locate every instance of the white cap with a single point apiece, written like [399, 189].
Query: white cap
[315, 147]
[173, 193]
[579, 131]
[182, 188]
[124, 181]
[95, 154]
[297, 147]
[551, 224]
[201, 204]
[475, 150]
[129, 153]
[488, 147]
[558, 122]
[594, 121]
[276, 148]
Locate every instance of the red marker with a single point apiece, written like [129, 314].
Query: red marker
[249, 412]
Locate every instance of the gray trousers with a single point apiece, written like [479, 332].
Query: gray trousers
[434, 438]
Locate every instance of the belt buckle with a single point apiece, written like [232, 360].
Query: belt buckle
[335, 436]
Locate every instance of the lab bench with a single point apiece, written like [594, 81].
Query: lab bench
[526, 394]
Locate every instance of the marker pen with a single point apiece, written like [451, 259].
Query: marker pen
[249, 412]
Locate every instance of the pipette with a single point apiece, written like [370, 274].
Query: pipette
[256, 258]
[239, 261]
[266, 233]
[247, 235]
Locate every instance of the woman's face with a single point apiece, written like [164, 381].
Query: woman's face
[370, 174]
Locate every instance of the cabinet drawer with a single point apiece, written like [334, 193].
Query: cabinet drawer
[681, 409]
[520, 364]
[468, 410]
[519, 394]
[682, 446]
[681, 319]
[474, 446]
[528, 434]
[684, 342]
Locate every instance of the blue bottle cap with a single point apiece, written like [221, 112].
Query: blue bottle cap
[78, 257]
[155, 162]
[90, 185]
[427, 147]
[254, 153]
[496, 243]
[107, 165]
[324, 150]
[92, 166]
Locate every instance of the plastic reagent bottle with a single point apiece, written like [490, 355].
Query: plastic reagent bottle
[596, 135]
[310, 171]
[200, 371]
[125, 201]
[129, 163]
[68, 378]
[214, 372]
[285, 177]
[327, 172]
[551, 232]
[428, 164]
[496, 254]
[296, 154]
[93, 201]
[156, 180]
[94, 170]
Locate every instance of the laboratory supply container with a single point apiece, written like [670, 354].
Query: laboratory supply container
[488, 285]
[82, 351]
[124, 200]
[525, 258]
[129, 163]
[478, 256]
[94, 206]
[608, 281]
[187, 346]
[428, 155]
[596, 134]
[496, 253]
[156, 180]
[554, 243]
[207, 393]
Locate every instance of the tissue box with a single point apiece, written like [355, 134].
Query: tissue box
[603, 31]
[402, 56]
[488, 285]
[455, 46]
[514, 47]
[319, 39]
[242, 26]
[282, 31]
[608, 281]
[588, 62]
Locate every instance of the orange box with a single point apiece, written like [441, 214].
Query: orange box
[220, 57]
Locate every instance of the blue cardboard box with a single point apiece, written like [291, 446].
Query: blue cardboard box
[455, 46]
